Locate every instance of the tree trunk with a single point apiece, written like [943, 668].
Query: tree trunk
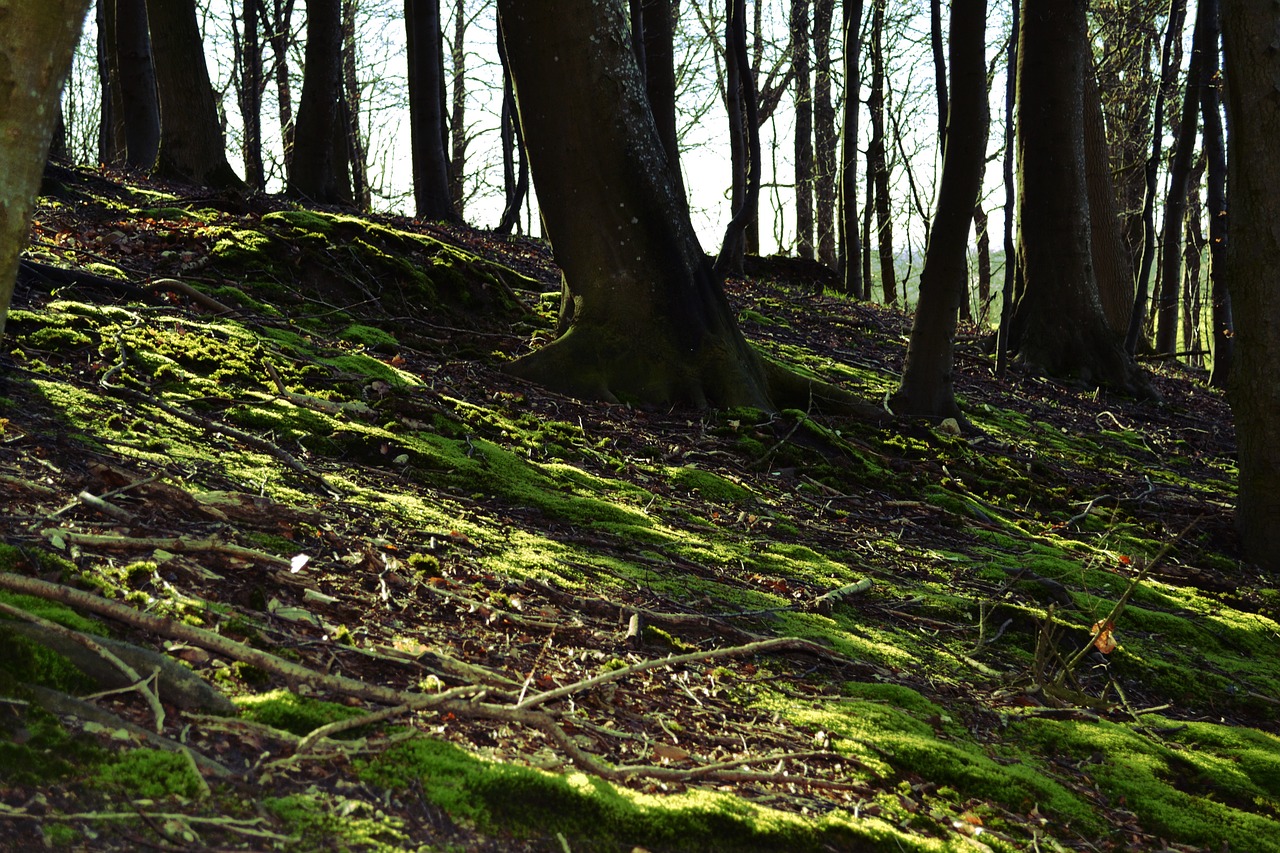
[851, 247]
[1175, 208]
[824, 133]
[659, 17]
[927, 388]
[1168, 72]
[36, 44]
[191, 142]
[744, 117]
[877, 162]
[1058, 324]
[1194, 244]
[1111, 260]
[251, 88]
[426, 110]
[320, 171]
[1216, 202]
[804, 127]
[939, 69]
[111, 138]
[1253, 268]
[458, 115]
[1011, 261]
[983, 233]
[646, 319]
[137, 78]
[350, 108]
[515, 176]
[281, 25]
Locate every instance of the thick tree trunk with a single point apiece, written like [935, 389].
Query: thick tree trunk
[426, 110]
[191, 142]
[645, 319]
[320, 171]
[1216, 202]
[927, 388]
[36, 43]
[851, 246]
[139, 107]
[1058, 324]
[1253, 268]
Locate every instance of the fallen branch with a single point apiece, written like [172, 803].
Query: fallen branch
[176, 544]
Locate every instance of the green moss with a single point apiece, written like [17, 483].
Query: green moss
[36, 750]
[593, 815]
[328, 822]
[150, 774]
[290, 712]
[710, 486]
[370, 337]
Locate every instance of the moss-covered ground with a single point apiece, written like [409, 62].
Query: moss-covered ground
[337, 473]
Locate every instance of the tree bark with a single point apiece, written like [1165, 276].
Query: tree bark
[745, 142]
[877, 161]
[1057, 324]
[927, 388]
[1168, 72]
[36, 44]
[137, 77]
[939, 69]
[515, 164]
[1011, 260]
[645, 319]
[320, 170]
[251, 88]
[1253, 267]
[426, 110]
[800, 41]
[349, 108]
[192, 148]
[1175, 207]
[851, 246]
[659, 17]
[278, 34]
[458, 116]
[824, 133]
[1216, 202]
[1112, 263]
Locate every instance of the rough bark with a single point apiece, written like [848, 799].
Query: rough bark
[36, 43]
[851, 245]
[927, 388]
[355, 149]
[458, 115]
[192, 148]
[645, 319]
[1057, 323]
[426, 110]
[320, 170]
[1249, 33]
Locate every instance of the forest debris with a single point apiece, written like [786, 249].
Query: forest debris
[826, 602]
[174, 544]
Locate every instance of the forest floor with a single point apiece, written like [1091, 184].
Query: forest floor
[402, 600]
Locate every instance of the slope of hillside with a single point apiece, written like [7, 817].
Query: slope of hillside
[333, 580]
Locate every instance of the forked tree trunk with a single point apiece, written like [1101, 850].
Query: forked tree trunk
[1253, 268]
[927, 388]
[191, 142]
[1057, 324]
[320, 171]
[36, 43]
[644, 317]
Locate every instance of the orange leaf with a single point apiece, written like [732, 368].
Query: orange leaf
[1103, 641]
